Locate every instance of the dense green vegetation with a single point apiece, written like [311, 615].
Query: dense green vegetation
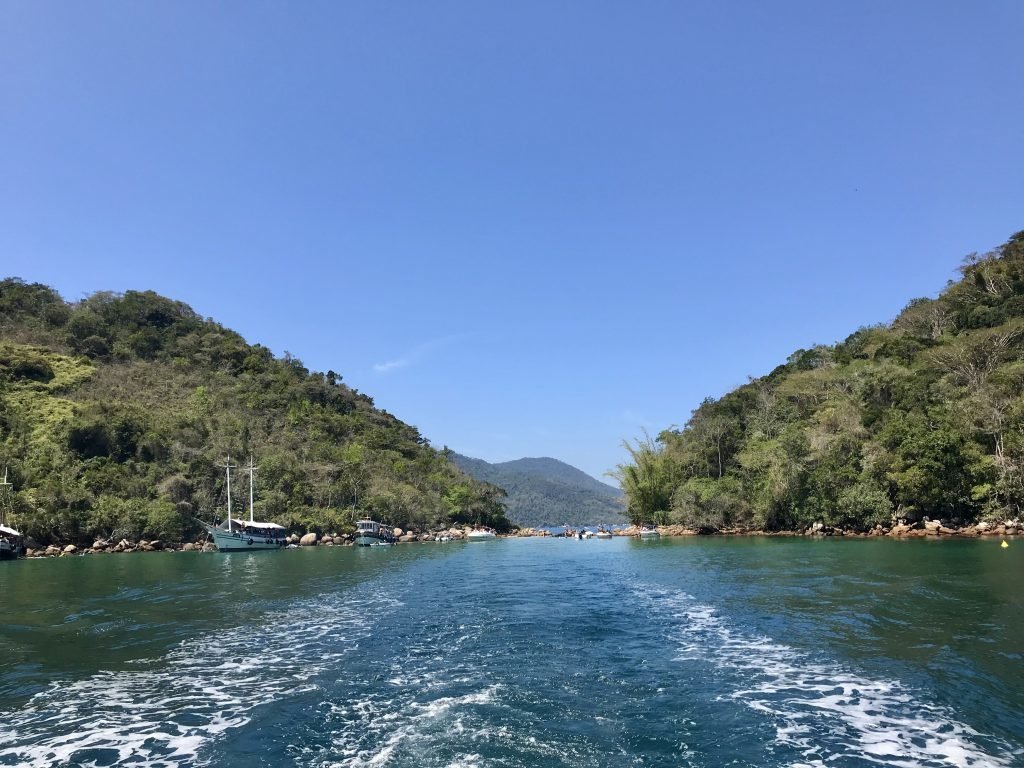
[116, 411]
[548, 492]
[920, 418]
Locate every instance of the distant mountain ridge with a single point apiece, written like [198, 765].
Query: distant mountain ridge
[545, 491]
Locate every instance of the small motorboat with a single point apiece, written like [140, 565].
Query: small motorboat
[370, 533]
[12, 543]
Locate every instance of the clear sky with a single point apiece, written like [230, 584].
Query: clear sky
[528, 228]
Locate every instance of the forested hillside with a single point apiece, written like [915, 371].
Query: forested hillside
[923, 417]
[548, 492]
[116, 411]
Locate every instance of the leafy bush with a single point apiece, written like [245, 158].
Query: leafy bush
[920, 418]
[123, 406]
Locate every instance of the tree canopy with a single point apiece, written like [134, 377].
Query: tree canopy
[116, 411]
[923, 417]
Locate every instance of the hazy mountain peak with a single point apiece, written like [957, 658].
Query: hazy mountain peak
[546, 491]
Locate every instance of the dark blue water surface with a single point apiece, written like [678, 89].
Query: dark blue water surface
[530, 652]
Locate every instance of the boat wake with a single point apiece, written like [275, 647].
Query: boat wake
[446, 702]
[165, 712]
[827, 714]
[417, 711]
[379, 732]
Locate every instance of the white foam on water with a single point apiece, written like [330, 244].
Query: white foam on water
[436, 717]
[469, 761]
[822, 710]
[165, 714]
[415, 723]
[445, 701]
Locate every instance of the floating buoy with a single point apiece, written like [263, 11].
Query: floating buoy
[1004, 545]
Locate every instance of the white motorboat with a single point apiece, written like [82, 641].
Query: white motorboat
[370, 533]
[12, 543]
[481, 533]
[245, 535]
[649, 532]
[603, 534]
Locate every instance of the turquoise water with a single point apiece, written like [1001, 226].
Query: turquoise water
[533, 652]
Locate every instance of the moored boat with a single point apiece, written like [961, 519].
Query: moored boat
[481, 533]
[12, 543]
[603, 533]
[241, 535]
[649, 532]
[370, 533]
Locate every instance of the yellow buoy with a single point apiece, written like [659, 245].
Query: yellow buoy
[1004, 545]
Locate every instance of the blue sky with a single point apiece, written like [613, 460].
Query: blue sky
[530, 228]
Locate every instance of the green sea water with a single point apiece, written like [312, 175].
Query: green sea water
[532, 652]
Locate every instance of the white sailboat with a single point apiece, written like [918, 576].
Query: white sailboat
[12, 543]
[240, 535]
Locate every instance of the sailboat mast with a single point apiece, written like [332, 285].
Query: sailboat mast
[227, 469]
[252, 471]
[6, 499]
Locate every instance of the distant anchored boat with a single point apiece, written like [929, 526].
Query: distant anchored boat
[12, 543]
[370, 533]
[481, 533]
[241, 535]
[649, 532]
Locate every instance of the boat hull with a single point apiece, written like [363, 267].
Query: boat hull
[372, 541]
[240, 541]
[11, 546]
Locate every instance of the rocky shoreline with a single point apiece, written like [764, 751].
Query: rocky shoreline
[312, 539]
[923, 529]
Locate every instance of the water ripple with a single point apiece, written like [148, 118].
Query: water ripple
[165, 712]
[827, 714]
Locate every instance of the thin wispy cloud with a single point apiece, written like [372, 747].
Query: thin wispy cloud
[634, 418]
[391, 365]
[418, 353]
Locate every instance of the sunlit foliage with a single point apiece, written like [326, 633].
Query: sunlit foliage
[116, 411]
[920, 418]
